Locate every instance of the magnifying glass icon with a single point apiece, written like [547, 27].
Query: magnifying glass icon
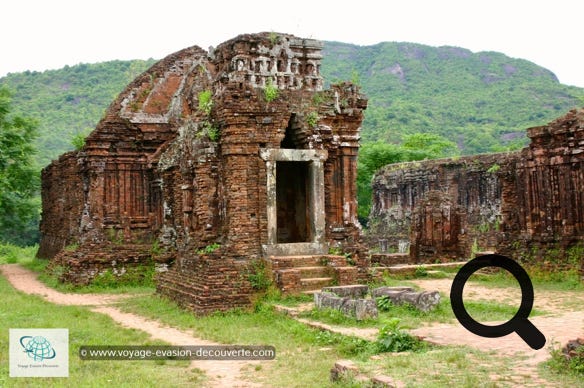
[519, 323]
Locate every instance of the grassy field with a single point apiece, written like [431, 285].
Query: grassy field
[304, 355]
[85, 328]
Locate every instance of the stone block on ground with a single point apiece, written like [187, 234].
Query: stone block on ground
[354, 291]
[342, 368]
[423, 301]
[356, 308]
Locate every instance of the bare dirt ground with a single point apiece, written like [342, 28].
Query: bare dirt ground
[219, 373]
[563, 320]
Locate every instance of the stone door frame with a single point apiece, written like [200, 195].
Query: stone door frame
[315, 194]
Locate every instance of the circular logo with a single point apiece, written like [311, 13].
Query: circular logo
[37, 348]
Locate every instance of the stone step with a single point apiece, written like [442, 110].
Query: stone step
[315, 283]
[410, 269]
[281, 262]
[314, 272]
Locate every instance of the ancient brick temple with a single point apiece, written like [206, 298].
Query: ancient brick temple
[528, 204]
[209, 162]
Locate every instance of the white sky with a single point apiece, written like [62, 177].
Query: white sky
[48, 34]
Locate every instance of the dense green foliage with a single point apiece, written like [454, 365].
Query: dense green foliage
[374, 155]
[482, 101]
[19, 180]
[70, 101]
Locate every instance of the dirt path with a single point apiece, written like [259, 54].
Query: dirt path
[219, 373]
[565, 322]
[26, 281]
[555, 302]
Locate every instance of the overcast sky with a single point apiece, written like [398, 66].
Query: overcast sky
[48, 34]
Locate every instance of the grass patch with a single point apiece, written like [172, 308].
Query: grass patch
[541, 280]
[106, 285]
[85, 328]
[138, 282]
[273, 296]
[10, 253]
[304, 355]
[412, 318]
[560, 364]
[568, 372]
[446, 366]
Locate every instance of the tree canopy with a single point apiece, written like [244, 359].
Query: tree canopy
[19, 178]
[374, 155]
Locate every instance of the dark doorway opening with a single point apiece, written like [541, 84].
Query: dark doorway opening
[293, 213]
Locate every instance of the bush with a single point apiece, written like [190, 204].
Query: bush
[384, 303]
[205, 101]
[561, 363]
[393, 339]
[258, 275]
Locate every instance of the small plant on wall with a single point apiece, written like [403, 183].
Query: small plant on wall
[312, 119]
[205, 101]
[271, 91]
[259, 275]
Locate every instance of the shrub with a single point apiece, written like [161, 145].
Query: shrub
[392, 338]
[258, 275]
[312, 119]
[421, 272]
[560, 363]
[78, 141]
[209, 249]
[384, 303]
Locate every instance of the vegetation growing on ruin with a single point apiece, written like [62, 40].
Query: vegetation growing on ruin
[208, 249]
[259, 275]
[312, 119]
[271, 91]
[205, 101]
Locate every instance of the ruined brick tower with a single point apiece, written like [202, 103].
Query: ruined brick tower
[210, 161]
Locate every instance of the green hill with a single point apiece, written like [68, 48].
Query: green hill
[68, 101]
[482, 101]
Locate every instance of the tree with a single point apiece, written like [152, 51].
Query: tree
[374, 155]
[19, 178]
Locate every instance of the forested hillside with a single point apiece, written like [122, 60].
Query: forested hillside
[482, 101]
[68, 101]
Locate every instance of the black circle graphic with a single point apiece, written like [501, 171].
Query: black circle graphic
[519, 323]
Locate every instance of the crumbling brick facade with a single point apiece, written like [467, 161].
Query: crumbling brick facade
[211, 161]
[527, 204]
